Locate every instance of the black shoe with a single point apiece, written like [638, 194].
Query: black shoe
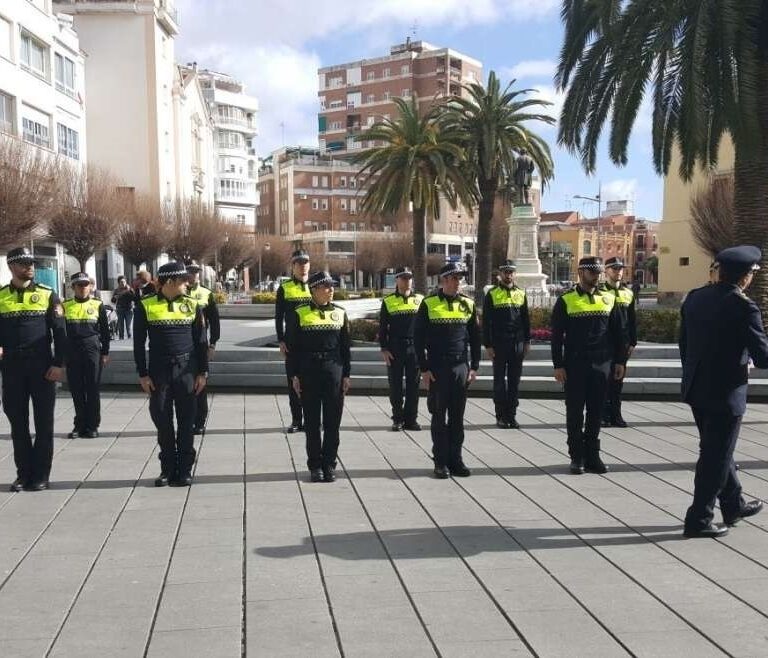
[90, 434]
[577, 467]
[619, 422]
[441, 472]
[595, 466]
[197, 430]
[460, 470]
[18, 485]
[74, 434]
[329, 474]
[606, 422]
[295, 427]
[162, 480]
[397, 426]
[39, 485]
[315, 475]
[502, 424]
[711, 531]
[513, 424]
[412, 426]
[181, 481]
[748, 509]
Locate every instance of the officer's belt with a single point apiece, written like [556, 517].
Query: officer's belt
[173, 358]
[449, 359]
[324, 355]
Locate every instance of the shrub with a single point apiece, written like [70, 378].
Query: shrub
[658, 325]
[263, 298]
[540, 317]
[364, 330]
[340, 294]
[370, 294]
[220, 297]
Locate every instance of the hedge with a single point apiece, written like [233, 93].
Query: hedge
[365, 330]
[658, 326]
[220, 297]
[263, 298]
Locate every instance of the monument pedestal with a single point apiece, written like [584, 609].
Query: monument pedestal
[523, 248]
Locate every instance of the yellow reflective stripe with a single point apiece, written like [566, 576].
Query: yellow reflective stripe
[201, 294]
[87, 311]
[503, 297]
[602, 303]
[293, 292]
[438, 310]
[396, 305]
[33, 302]
[315, 319]
[182, 310]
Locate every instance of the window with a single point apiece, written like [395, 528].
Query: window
[5, 39]
[34, 55]
[343, 204]
[69, 142]
[233, 188]
[406, 93]
[370, 98]
[387, 95]
[315, 204]
[335, 83]
[335, 104]
[353, 206]
[387, 72]
[405, 69]
[36, 133]
[65, 75]
[587, 249]
[6, 113]
[371, 75]
[315, 181]
[684, 262]
[370, 121]
[324, 181]
[324, 204]
[322, 102]
[230, 140]
[343, 181]
[640, 242]
[353, 183]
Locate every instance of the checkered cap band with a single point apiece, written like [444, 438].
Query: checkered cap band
[80, 278]
[169, 274]
[325, 281]
[403, 273]
[595, 267]
[456, 269]
[20, 257]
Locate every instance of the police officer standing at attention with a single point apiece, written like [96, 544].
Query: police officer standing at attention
[87, 353]
[507, 338]
[721, 329]
[31, 316]
[587, 337]
[625, 304]
[319, 364]
[447, 339]
[291, 294]
[178, 368]
[396, 320]
[207, 303]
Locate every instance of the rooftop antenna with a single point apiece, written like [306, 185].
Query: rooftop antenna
[415, 28]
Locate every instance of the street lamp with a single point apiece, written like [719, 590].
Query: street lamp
[598, 199]
[265, 247]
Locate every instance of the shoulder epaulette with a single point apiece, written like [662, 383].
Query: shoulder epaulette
[43, 286]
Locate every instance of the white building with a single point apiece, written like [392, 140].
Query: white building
[234, 116]
[42, 96]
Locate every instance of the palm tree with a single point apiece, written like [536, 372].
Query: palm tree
[421, 159]
[705, 64]
[493, 121]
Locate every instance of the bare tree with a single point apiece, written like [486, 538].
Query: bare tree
[30, 189]
[90, 211]
[237, 249]
[275, 261]
[371, 259]
[400, 250]
[712, 215]
[339, 266]
[195, 230]
[317, 255]
[434, 263]
[142, 235]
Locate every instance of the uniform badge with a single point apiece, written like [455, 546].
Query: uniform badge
[334, 316]
[90, 310]
[606, 299]
[34, 298]
[184, 308]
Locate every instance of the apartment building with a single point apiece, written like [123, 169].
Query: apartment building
[42, 98]
[234, 118]
[354, 95]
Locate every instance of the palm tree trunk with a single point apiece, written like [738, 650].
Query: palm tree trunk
[420, 249]
[483, 266]
[751, 199]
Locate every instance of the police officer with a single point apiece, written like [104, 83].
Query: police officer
[87, 353]
[446, 331]
[319, 364]
[31, 316]
[207, 302]
[396, 320]
[721, 329]
[290, 294]
[587, 336]
[507, 338]
[625, 304]
[178, 368]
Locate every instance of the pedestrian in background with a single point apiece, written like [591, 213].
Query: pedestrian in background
[123, 298]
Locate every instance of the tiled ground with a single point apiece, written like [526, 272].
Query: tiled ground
[521, 558]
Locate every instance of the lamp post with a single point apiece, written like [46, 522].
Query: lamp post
[354, 256]
[598, 199]
[264, 247]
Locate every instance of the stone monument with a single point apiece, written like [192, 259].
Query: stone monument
[523, 246]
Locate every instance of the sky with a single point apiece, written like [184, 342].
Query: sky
[276, 46]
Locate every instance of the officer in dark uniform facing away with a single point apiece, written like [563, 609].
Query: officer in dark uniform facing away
[207, 303]
[319, 365]
[396, 322]
[507, 338]
[587, 337]
[87, 353]
[721, 329]
[447, 339]
[291, 294]
[31, 316]
[625, 304]
[178, 368]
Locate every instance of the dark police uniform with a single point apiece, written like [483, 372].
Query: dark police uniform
[625, 304]
[721, 329]
[396, 323]
[447, 340]
[178, 353]
[319, 354]
[29, 319]
[587, 337]
[87, 341]
[506, 329]
[207, 303]
[290, 295]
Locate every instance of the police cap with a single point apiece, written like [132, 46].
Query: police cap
[403, 271]
[593, 263]
[508, 266]
[615, 263]
[320, 279]
[743, 258]
[453, 269]
[193, 267]
[20, 255]
[171, 270]
[299, 256]
[79, 277]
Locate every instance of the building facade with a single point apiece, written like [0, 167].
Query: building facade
[234, 117]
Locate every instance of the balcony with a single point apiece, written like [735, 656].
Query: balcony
[165, 10]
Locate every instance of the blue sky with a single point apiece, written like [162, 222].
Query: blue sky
[275, 47]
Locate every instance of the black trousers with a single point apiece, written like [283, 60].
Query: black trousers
[124, 320]
[24, 379]
[174, 382]
[716, 475]
[83, 377]
[405, 366]
[612, 408]
[201, 413]
[507, 369]
[294, 400]
[448, 399]
[323, 403]
[585, 388]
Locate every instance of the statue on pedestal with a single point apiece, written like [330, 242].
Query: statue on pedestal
[523, 177]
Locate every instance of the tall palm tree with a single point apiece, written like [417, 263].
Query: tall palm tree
[705, 64]
[493, 121]
[420, 160]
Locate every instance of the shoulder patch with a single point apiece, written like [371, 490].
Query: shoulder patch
[42, 286]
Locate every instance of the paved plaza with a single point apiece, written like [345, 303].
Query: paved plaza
[521, 558]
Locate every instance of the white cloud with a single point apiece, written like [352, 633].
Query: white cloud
[620, 189]
[549, 93]
[535, 68]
